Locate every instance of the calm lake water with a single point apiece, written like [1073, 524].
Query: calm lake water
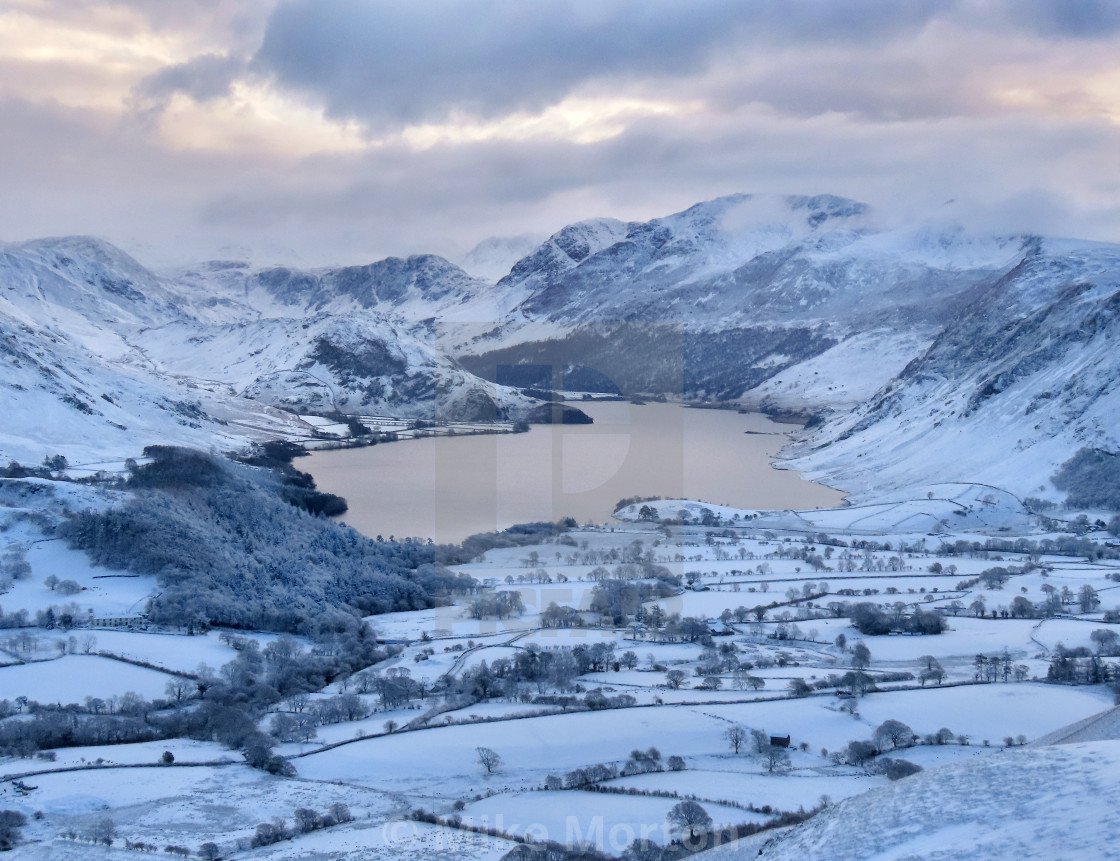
[447, 488]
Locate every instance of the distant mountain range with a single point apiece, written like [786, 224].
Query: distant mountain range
[929, 351]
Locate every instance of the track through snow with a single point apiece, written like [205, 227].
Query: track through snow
[1030, 803]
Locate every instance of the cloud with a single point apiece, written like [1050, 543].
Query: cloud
[351, 130]
[386, 62]
[1082, 19]
[203, 78]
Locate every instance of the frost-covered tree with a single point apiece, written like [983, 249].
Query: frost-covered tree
[931, 671]
[1105, 640]
[11, 821]
[776, 759]
[1087, 599]
[895, 733]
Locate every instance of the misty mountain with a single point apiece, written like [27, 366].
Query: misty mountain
[718, 299]
[102, 356]
[493, 258]
[1025, 373]
[965, 356]
[927, 350]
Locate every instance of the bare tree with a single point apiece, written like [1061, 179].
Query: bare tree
[488, 759]
[674, 678]
[340, 812]
[178, 688]
[931, 671]
[861, 656]
[104, 831]
[736, 737]
[690, 815]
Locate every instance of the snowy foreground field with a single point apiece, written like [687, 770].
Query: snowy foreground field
[598, 682]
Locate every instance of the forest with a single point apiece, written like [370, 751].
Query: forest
[231, 545]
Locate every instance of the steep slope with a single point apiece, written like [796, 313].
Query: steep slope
[966, 357]
[102, 357]
[492, 259]
[1025, 373]
[61, 398]
[324, 363]
[432, 298]
[1040, 803]
[750, 259]
[731, 292]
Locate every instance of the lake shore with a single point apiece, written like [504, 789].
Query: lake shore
[449, 487]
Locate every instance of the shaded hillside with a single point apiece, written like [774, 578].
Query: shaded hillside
[228, 547]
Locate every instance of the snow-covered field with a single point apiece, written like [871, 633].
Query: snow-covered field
[424, 752]
[72, 678]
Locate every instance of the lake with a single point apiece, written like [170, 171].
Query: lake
[447, 488]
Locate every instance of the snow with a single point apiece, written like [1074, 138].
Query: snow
[189, 806]
[74, 677]
[608, 822]
[846, 374]
[142, 753]
[492, 258]
[1048, 803]
[106, 593]
[174, 652]
[112, 357]
[722, 780]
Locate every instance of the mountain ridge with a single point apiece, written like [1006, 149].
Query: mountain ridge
[911, 342]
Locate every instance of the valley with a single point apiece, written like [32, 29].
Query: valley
[607, 690]
[625, 639]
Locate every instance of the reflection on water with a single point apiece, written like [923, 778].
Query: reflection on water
[447, 488]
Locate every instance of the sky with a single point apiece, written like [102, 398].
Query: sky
[343, 131]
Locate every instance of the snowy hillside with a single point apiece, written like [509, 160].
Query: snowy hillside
[754, 259]
[1026, 373]
[1043, 803]
[493, 258]
[940, 354]
[716, 300]
[103, 357]
[970, 357]
[847, 374]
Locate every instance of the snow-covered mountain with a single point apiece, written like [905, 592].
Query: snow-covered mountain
[934, 352]
[751, 260]
[493, 258]
[1024, 374]
[719, 298]
[102, 357]
[970, 356]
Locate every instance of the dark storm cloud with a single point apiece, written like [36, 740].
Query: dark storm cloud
[397, 201]
[203, 78]
[900, 104]
[384, 61]
[1084, 19]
